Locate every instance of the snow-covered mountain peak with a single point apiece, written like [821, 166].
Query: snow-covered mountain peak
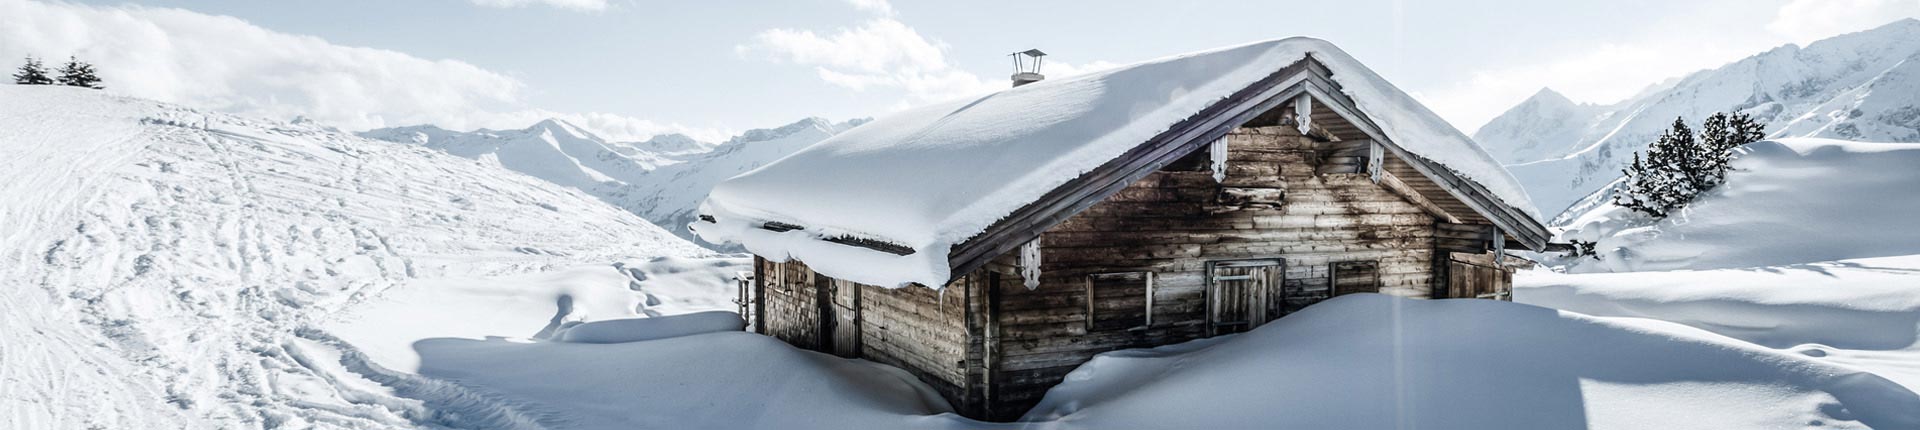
[561, 128]
[662, 178]
[671, 143]
[1857, 86]
[1548, 98]
[811, 124]
[1529, 131]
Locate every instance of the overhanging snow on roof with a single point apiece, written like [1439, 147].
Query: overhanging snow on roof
[928, 178]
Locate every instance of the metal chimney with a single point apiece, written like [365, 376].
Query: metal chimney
[1026, 67]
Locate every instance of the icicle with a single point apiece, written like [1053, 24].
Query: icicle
[1303, 113]
[1030, 263]
[1219, 152]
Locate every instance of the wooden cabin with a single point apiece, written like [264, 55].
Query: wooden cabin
[1279, 196]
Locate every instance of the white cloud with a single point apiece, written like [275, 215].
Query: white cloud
[884, 53]
[227, 64]
[584, 5]
[1809, 20]
[880, 7]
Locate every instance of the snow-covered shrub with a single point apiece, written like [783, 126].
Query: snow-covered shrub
[77, 73]
[1680, 164]
[32, 73]
[1582, 248]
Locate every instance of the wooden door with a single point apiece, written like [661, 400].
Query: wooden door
[1473, 280]
[1238, 294]
[846, 312]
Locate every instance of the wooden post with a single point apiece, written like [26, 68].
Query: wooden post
[1499, 247]
[759, 295]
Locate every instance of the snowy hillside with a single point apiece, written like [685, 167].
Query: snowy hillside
[1860, 86]
[1808, 249]
[662, 179]
[1787, 201]
[167, 266]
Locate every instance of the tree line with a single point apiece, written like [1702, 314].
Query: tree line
[1679, 166]
[75, 73]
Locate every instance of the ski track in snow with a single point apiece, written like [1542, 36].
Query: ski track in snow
[161, 261]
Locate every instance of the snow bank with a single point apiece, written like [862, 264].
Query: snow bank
[643, 329]
[1789, 201]
[1372, 361]
[679, 285]
[1871, 303]
[934, 176]
[709, 381]
[1863, 313]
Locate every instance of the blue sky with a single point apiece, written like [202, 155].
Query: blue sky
[632, 68]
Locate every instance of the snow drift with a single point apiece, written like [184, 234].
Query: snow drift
[1372, 361]
[1871, 303]
[710, 381]
[930, 177]
[1787, 201]
[643, 329]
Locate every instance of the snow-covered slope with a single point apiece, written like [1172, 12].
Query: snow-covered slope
[662, 179]
[1809, 248]
[162, 263]
[1788, 201]
[1859, 86]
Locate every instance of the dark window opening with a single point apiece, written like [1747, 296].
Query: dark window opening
[1350, 277]
[1119, 301]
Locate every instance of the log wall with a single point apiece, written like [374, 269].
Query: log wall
[1271, 204]
[920, 329]
[993, 347]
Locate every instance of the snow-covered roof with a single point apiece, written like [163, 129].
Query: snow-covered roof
[931, 177]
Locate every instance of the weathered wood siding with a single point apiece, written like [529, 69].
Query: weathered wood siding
[1271, 204]
[919, 329]
[791, 303]
[916, 328]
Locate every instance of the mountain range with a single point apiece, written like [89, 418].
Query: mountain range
[1862, 86]
[662, 179]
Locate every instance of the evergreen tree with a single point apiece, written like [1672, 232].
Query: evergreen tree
[79, 74]
[32, 73]
[1678, 166]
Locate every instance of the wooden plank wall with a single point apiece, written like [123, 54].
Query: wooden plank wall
[1173, 222]
[792, 303]
[922, 330]
[916, 328]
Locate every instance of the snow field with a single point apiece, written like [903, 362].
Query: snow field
[160, 259]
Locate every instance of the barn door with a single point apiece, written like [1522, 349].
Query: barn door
[1237, 294]
[846, 310]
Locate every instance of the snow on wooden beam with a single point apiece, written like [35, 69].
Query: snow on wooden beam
[1303, 113]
